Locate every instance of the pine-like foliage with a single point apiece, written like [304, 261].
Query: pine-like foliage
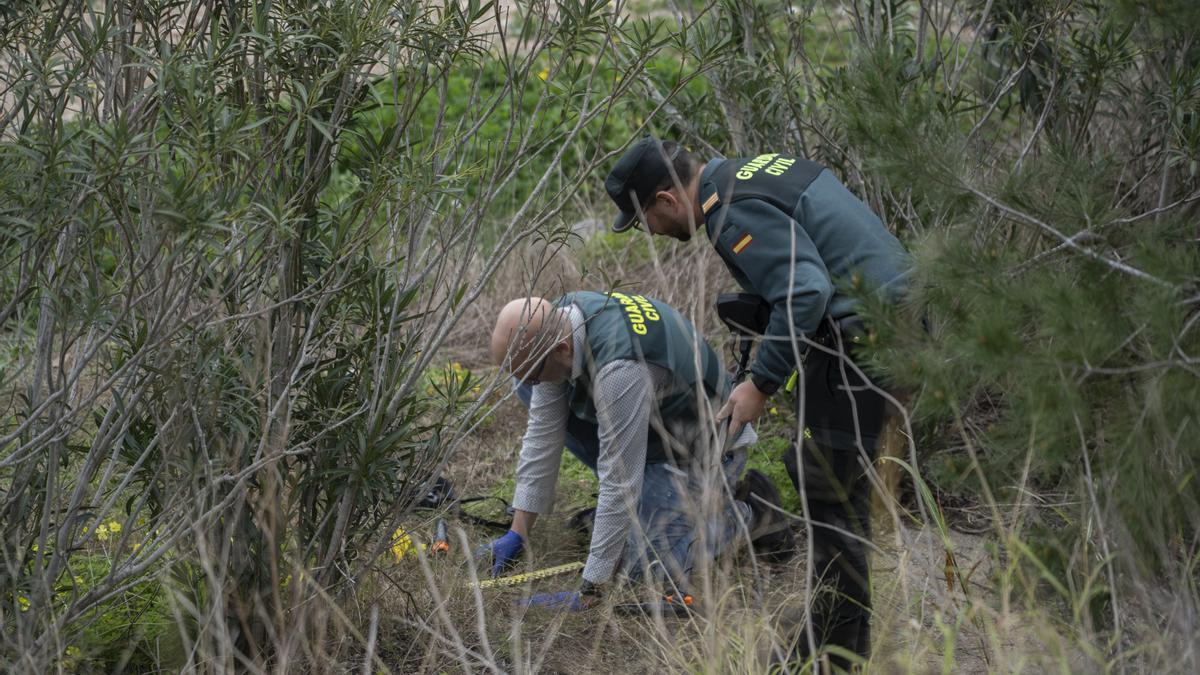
[1054, 214]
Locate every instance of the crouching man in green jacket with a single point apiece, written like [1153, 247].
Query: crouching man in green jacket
[626, 384]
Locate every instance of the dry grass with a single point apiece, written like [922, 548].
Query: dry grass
[922, 623]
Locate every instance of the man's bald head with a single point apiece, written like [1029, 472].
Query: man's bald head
[526, 330]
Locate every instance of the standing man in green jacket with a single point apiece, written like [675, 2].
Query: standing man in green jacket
[791, 233]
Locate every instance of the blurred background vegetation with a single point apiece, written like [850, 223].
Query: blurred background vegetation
[244, 247]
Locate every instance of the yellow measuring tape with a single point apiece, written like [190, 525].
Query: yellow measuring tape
[517, 579]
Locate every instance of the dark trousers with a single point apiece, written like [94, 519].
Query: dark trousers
[844, 420]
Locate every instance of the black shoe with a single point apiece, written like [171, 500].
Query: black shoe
[852, 635]
[769, 531]
[581, 522]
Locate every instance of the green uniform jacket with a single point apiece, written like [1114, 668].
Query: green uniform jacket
[791, 233]
[625, 326]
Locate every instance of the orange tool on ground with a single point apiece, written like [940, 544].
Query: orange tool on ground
[679, 605]
[441, 543]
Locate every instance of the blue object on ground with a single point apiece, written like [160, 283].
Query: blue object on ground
[570, 601]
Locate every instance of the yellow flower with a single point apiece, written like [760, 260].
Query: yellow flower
[774, 411]
[70, 657]
[114, 527]
[23, 602]
[403, 544]
[544, 74]
[102, 533]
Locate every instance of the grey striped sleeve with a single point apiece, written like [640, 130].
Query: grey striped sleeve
[542, 448]
[624, 397]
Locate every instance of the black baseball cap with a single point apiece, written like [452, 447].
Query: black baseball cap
[643, 168]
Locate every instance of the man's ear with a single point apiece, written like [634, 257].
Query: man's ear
[667, 196]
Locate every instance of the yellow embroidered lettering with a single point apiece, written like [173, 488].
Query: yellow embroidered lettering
[747, 170]
[647, 308]
[779, 166]
[638, 310]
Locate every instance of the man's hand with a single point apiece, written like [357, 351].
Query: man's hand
[505, 551]
[745, 404]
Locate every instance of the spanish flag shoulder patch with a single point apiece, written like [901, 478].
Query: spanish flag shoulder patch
[708, 203]
[742, 243]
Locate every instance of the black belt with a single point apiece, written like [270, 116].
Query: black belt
[851, 328]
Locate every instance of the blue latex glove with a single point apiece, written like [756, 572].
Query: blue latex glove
[571, 601]
[505, 551]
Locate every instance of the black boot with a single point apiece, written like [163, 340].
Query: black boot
[770, 534]
[581, 522]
